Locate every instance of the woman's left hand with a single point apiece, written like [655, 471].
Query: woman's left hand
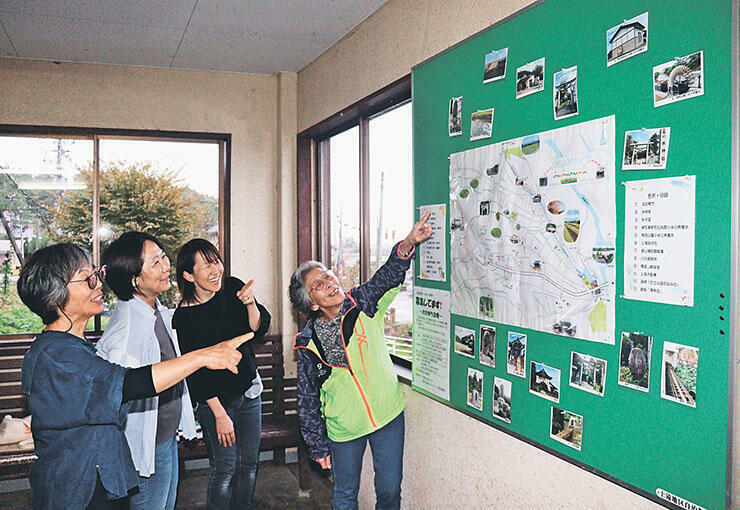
[246, 294]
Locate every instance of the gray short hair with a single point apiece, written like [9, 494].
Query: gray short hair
[297, 289]
[42, 284]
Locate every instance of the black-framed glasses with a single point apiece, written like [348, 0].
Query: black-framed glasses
[92, 280]
[320, 281]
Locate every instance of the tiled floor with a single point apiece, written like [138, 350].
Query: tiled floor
[277, 488]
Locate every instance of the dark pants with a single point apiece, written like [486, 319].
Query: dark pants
[99, 499]
[234, 468]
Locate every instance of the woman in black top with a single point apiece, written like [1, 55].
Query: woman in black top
[229, 407]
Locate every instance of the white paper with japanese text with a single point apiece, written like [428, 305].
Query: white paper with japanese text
[431, 360]
[659, 221]
[432, 252]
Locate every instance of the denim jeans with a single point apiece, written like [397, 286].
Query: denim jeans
[386, 446]
[159, 491]
[234, 468]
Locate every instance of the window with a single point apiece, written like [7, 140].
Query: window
[341, 167]
[44, 196]
[363, 199]
[391, 214]
[89, 187]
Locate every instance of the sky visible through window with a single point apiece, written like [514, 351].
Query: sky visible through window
[390, 209]
[196, 164]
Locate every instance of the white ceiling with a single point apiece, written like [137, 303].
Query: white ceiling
[249, 36]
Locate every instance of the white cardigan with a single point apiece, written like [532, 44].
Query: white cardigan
[129, 340]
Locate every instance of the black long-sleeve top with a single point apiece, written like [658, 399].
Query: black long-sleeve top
[138, 383]
[220, 318]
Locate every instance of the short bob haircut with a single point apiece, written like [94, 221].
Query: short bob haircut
[42, 284]
[123, 261]
[186, 263]
[297, 290]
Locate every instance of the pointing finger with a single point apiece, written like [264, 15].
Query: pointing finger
[425, 217]
[237, 341]
[246, 286]
[244, 292]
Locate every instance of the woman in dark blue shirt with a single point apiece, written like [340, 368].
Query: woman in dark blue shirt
[76, 398]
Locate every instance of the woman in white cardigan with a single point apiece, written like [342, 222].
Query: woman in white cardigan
[140, 333]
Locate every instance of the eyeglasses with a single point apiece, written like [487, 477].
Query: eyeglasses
[92, 280]
[320, 281]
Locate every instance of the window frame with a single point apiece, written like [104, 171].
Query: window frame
[314, 239]
[98, 134]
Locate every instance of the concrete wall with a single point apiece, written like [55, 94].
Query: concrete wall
[451, 460]
[253, 108]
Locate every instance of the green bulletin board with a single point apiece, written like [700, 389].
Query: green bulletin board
[637, 439]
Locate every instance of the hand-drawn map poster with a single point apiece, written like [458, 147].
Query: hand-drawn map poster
[533, 230]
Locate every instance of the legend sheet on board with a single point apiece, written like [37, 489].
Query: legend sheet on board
[659, 240]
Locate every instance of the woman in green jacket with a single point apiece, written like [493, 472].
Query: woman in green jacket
[348, 392]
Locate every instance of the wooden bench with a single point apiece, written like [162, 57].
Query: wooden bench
[279, 419]
[14, 462]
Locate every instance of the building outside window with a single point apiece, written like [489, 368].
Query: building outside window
[88, 189]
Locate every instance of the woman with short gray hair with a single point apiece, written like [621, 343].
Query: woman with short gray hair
[77, 398]
[348, 393]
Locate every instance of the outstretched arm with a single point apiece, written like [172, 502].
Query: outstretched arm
[392, 273]
[223, 355]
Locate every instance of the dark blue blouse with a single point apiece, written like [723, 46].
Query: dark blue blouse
[78, 422]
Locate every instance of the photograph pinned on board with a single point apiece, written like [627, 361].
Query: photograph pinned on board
[646, 149]
[465, 341]
[530, 78]
[603, 252]
[566, 427]
[485, 307]
[494, 67]
[634, 361]
[678, 79]
[565, 93]
[516, 354]
[455, 116]
[627, 39]
[484, 207]
[487, 349]
[544, 381]
[502, 399]
[475, 388]
[587, 373]
[481, 124]
[678, 374]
